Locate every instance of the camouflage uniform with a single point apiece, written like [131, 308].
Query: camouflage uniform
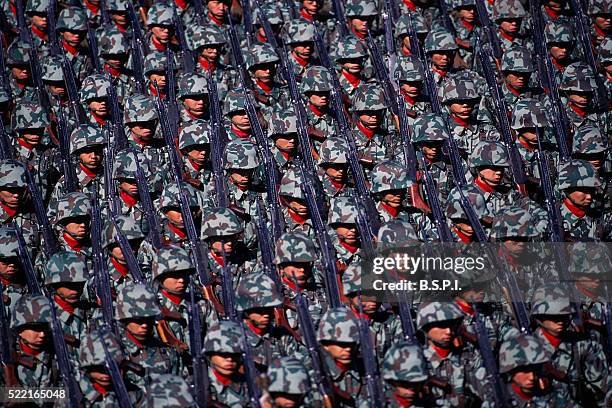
[17, 56]
[403, 26]
[561, 34]
[343, 213]
[351, 48]
[299, 33]
[512, 10]
[288, 375]
[168, 391]
[598, 8]
[321, 125]
[283, 124]
[124, 169]
[72, 207]
[467, 35]
[162, 15]
[410, 70]
[192, 86]
[13, 285]
[290, 189]
[39, 37]
[235, 104]
[75, 19]
[518, 60]
[604, 58]
[275, 97]
[114, 43]
[333, 153]
[196, 135]
[440, 41]
[96, 87]
[456, 214]
[156, 63]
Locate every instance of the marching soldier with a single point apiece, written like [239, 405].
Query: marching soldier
[193, 98]
[118, 270]
[72, 28]
[334, 171]
[194, 144]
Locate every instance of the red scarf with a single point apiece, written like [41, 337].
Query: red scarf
[139, 140]
[406, 51]
[286, 155]
[358, 34]
[469, 26]
[442, 352]
[439, 71]
[315, 110]
[551, 13]
[176, 299]
[223, 379]
[461, 122]
[393, 212]
[306, 16]
[27, 349]
[67, 307]
[206, 64]
[553, 340]
[573, 209]
[195, 165]
[121, 28]
[464, 238]
[512, 90]
[264, 87]
[336, 184]
[520, 393]
[351, 248]
[586, 292]
[113, 71]
[560, 67]
[99, 119]
[39, 33]
[296, 217]
[13, 8]
[261, 38]
[410, 100]
[218, 258]
[526, 145]
[182, 4]
[361, 315]
[215, 20]
[134, 339]
[178, 231]
[354, 80]
[158, 45]
[289, 283]
[92, 7]
[369, 133]
[466, 307]
[72, 50]
[506, 35]
[72, 243]
[579, 111]
[256, 330]
[128, 199]
[121, 268]
[101, 390]
[341, 366]
[88, 172]
[599, 31]
[302, 61]
[10, 211]
[483, 186]
[411, 6]
[162, 94]
[240, 133]
[403, 402]
[25, 144]
[5, 282]
[239, 187]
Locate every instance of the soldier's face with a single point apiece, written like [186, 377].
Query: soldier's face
[140, 328]
[371, 119]
[241, 177]
[394, 198]
[348, 233]
[580, 99]
[525, 379]
[261, 317]
[175, 282]
[407, 390]
[71, 293]
[77, 227]
[21, 72]
[555, 325]
[518, 80]
[319, 99]
[217, 9]
[555, 5]
[604, 22]
[582, 198]
[228, 244]
[225, 363]
[163, 34]
[73, 38]
[34, 336]
[515, 247]
[199, 154]
[100, 376]
[9, 266]
[129, 186]
[58, 89]
[299, 272]
[159, 78]
[32, 136]
[462, 109]
[144, 130]
[336, 172]
[361, 24]
[442, 60]
[40, 21]
[431, 150]
[210, 53]
[412, 89]
[303, 50]
[12, 196]
[92, 159]
[196, 105]
[467, 13]
[286, 143]
[341, 352]
[241, 121]
[175, 217]
[464, 227]
[492, 175]
[353, 66]
[265, 72]
[99, 106]
[368, 303]
[528, 135]
[312, 6]
[119, 17]
[510, 26]
[443, 333]
[282, 400]
[560, 51]
[298, 206]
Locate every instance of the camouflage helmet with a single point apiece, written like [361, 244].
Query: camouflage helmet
[434, 312]
[5, 96]
[342, 210]
[397, 232]
[160, 14]
[271, 12]
[349, 48]
[155, 62]
[577, 174]
[169, 197]
[113, 42]
[241, 154]
[226, 337]
[360, 8]
[196, 133]
[199, 36]
[294, 246]
[288, 375]
[234, 101]
[589, 139]
[261, 53]
[124, 165]
[139, 108]
[71, 205]
[508, 9]
[454, 209]
[86, 136]
[528, 113]
[405, 362]
[257, 290]
[170, 259]
[402, 26]
[351, 279]
[389, 175]
[409, 69]
[18, 53]
[429, 127]
[192, 85]
[13, 174]
[458, 89]
[71, 19]
[550, 299]
[597, 7]
[604, 51]
[136, 301]
[66, 266]
[513, 222]
[578, 77]
[9, 245]
[117, 5]
[489, 154]
[338, 325]
[31, 309]
[298, 31]
[132, 230]
[521, 350]
[220, 222]
[52, 69]
[316, 79]
[37, 6]
[283, 122]
[94, 86]
[333, 150]
[559, 31]
[369, 97]
[30, 115]
[589, 258]
[291, 185]
[92, 351]
[462, 3]
[168, 391]
[517, 59]
[439, 40]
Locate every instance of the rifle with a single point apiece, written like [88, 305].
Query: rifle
[118, 131]
[147, 204]
[24, 32]
[434, 202]
[93, 48]
[6, 353]
[339, 14]
[51, 24]
[70, 182]
[173, 111]
[110, 191]
[501, 109]
[72, 90]
[123, 397]
[26, 262]
[187, 57]
[490, 31]
[137, 66]
[372, 376]
[218, 139]
[199, 373]
[6, 152]
[247, 20]
[106, 20]
[128, 253]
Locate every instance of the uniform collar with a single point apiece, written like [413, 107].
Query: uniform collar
[72, 50]
[206, 64]
[180, 232]
[113, 71]
[182, 4]
[92, 7]
[88, 172]
[354, 80]
[27, 349]
[483, 186]
[217, 258]
[573, 208]
[134, 339]
[552, 340]
[121, 268]
[411, 6]
[302, 61]
[256, 330]
[579, 111]
[460, 122]
[128, 199]
[505, 35]
[264, 87]
[216, 20]
[296, 217]
[66, 307]
[306, 16]
[72, 243]
[520, 393]
[464, 238]
[469, 26]
[351, 248]
[158, 45]
[176, 299]
[441, 352]
[39, 33]
[466, 307]
[551, 13]
[369, 133]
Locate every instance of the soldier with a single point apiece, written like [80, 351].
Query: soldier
[510, 17]
[237, 122]
[71, 216]
[12, 278]
[555, 10]
[405, 373]
[261, 62]
[169, 391]
[426, 10]
[92, 9]
[457, 217]
[316, 87]
[155, 66]
[289, 383]
[194, 144]
[410, 77]
[96, 382]
[467, 32]
[360, 16]
[36, 365]
[118, 270]
[15, 203]
[272, 12]
[224, 346]
[113, 50]
[299, 36]
[442, 50]
[72, 26]
[295, 207]
[256, 300]
[351, 55]
[313, 11]
[94, 97]
[517, 68]
[193, 98]
[560, 41]
[66, 274]
[137, 310]
[605, 60]
[53, 79]
[124, 178]
[160, 24]
[334, 168]
[342, 220]
[579, 357]
[338, 335]
[283, 134]
[578, 183]
[599, 11]
[36, 10]
[20, 79]
[403, 26]
[118, 13]
[446, 355]
[217, 12]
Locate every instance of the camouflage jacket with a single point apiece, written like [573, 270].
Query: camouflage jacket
[43, 371]
[350, 381]
[314, 293]
[330, 190]
[25, 219]
[581, 227]
[43, 164]
[468, 137]
[292, 225]
[21, 94]
[93, 399]
[543, 399]
[276, 343]
[201, 179]
[225, 77]
[383, 145]
[74, 324]
[156, 159]
[277, 99]
[81, 63]
[233, 395]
